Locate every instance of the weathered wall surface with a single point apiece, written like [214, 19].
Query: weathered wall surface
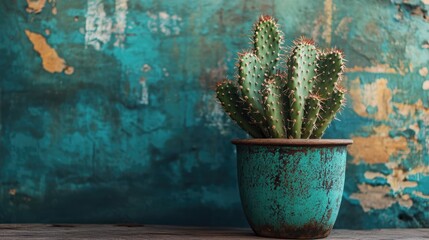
[108, 110]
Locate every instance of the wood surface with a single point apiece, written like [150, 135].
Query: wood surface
[138, 231]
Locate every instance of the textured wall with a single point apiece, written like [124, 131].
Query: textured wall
[108, 110]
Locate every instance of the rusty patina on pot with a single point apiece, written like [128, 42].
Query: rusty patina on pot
[291, 188]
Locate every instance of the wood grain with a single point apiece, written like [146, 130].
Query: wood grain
[138, 231]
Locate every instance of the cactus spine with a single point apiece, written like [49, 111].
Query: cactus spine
[269, 102]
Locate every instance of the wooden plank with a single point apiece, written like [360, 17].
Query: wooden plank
[135, 231]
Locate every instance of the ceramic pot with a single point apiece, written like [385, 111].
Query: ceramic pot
[291, 188]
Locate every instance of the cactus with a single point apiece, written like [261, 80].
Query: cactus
[270, 102]
[301, 73]
[227, 93]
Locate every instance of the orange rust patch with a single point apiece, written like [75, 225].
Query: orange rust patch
[378, 147]
[50, 59]
[376, 95]
[35, 6]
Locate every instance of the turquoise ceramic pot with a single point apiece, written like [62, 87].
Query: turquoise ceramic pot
[291, 188]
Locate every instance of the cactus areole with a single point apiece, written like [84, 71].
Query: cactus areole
[291, 181]
[296, 97]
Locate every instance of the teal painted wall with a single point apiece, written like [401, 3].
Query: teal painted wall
[108, 111]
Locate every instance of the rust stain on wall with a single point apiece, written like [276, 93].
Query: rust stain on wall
[373, 95]
[35, 6]
[378, 197]
[377, 148]
[50, 59]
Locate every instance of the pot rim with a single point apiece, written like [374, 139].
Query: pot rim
[292, 142]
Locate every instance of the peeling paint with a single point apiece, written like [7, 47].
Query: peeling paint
[379, 68]
[377, 149]
[327, 21]
[423, 71]
[169, 25]
[421, 195]
[371, 100]
[144, 98]
[213, 115]
[69, 70]
[411, 110]
[35, 6]
[425, 85]
[397, 180]
[142, 78]
[378, 197]
[50, 59]
[121, 10]
[98, 27]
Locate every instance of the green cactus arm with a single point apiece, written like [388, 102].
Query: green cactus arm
[267, 41]
[311, 114]
[273, 109]
[301, 74]
[330, 66]
[329, 109]
[250, 81]
[227, 93]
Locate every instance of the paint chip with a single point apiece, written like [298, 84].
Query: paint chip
[12, 191]
[424, 71]
[69, 70]
[35, 6]
[379, 68]
[371, 100]
[425, 85]
[378, 197]
[327, 26]
[420, 195]
[50, 60]
[146, 68]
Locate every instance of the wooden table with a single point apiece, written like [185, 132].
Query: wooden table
[135, 231]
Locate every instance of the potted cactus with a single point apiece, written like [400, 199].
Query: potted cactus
[291, 181]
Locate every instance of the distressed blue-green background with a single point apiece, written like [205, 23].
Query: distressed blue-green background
[128, 130]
